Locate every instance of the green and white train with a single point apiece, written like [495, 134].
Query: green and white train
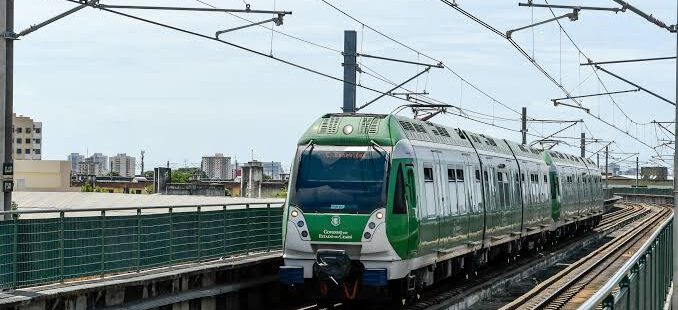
[387, 203]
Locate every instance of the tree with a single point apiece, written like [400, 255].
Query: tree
[149, 174]
[149, 189]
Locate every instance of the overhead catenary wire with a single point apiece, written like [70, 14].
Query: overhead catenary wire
[538, 66]
[241, 47]
[418, 52]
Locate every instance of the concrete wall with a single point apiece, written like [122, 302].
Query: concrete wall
[197, 189]
[641, 182]
[42, 175]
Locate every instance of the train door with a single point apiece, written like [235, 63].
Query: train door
[474, 199]
[413, 220]
[524, 188]
[456, 229]
[442, 209]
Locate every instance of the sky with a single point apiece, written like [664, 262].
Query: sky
[104, 83]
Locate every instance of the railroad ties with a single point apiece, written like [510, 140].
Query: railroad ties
[580, 281]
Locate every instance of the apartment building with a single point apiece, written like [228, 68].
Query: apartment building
[27, 138]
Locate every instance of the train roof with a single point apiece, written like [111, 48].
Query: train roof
[382, 129]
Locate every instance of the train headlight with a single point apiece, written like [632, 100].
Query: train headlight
[300, 223]
[367, 235]
[371, 225]
[380, 215]
[294, 213]
[348, 129]
[304, 234]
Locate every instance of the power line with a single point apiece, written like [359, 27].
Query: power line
[537, 65]
[276, 31]
[345, 13]
[287, 62]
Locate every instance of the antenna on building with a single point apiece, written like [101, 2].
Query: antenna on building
[142, 161]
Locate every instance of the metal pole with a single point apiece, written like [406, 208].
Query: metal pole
[350, 69]
[6, 89]
[598, 160]
[607, 175]
[583, 144]
[637, 171]
[674, 301]
[524, 125]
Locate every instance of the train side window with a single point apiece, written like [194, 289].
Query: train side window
[460, 175]
[477, 175]
[522, 177]
[450, 175]
[546, 179]
[399, 203]
[485, 176]
[428, 174]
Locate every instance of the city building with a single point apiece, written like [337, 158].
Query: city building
[217, 167]
[101, 163]
[654, 173]
[123, 165]
[75, 159]
[42, 176]
[273, 170]
[27, 138]
[95, 165]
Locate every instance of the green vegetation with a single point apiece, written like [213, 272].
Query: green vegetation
[227, 192]
[184, 175]
[148, 174]
[282, 193]
[87, 188]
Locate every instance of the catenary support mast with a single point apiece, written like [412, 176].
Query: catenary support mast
[6, 102]
[350, 69]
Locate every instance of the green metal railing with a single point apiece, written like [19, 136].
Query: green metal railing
[48, 246]
[644, 282]
[648, 191]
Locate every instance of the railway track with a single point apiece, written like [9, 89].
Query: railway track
[575, 284]
[626, 214]
[442, 296]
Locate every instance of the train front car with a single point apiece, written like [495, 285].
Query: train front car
[342, 236]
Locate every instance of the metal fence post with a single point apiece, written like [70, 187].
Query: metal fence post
[225, 231]
[61, 246]
[15, 257]
[247, 241]
[199, 234]
[138, 243]
[268, 227]
[171, 233]
[103, 243]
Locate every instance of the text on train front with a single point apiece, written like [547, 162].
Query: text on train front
[340, 179]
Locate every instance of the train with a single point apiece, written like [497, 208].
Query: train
[385, 204]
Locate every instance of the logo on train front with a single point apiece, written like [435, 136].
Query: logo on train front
[336, 221]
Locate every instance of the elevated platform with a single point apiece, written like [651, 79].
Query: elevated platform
[242, 279]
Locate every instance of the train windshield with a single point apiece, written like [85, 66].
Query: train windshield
[340, 179]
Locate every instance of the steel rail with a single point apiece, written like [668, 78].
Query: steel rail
[608, 248]
[600, 295]
[612, 248]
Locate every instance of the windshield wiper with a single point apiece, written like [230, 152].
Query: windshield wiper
[310, 144]
[379, 148]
